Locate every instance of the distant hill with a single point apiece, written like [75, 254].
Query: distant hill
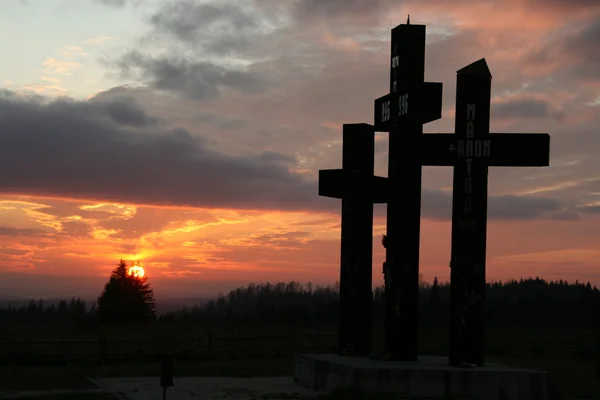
[171, 304]
[8, 297]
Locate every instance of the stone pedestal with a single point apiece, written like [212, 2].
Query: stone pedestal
[429, 378]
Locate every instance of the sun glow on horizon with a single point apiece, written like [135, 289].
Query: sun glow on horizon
[137, 271]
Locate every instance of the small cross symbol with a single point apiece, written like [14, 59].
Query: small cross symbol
[451, 148]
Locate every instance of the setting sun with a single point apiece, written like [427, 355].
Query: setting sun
[137, 271]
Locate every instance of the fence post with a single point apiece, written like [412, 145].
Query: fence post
[103, 346]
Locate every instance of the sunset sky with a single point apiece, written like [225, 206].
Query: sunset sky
[188, 135]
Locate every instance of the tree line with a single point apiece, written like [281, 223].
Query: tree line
[524, 304]
[73, 311]
[125, 299]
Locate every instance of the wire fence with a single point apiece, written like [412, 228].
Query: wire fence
[211, 346]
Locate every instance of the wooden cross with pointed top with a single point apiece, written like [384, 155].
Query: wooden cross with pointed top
[471, 150]
[411, 103]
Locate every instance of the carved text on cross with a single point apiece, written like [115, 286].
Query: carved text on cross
[499, 150]
[425, 105]
[395, 63]
[406, 83]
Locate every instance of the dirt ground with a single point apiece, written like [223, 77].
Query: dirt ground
[575, 379]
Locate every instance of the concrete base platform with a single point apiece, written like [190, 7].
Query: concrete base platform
[429, 378]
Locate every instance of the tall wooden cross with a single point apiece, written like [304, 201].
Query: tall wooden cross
[358, 188]
[409, 151]
[471, 150]
[410, 104]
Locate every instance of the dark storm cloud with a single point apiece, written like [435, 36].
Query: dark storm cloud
[581, 142]
[590, 209]
[222, 122]
[522, 108]
[577, 51]
[275, 51]
[122, 109]
[191, 22]
[181, 111]
[335, 8]
[331, 9]
[73, 149]
[565, 215]
[198, 80]
[437, 205]
[112, 3]
[125, 112]
[570, 4]
[119, 3]
[522, 207]
[584, 44]
[221, 28]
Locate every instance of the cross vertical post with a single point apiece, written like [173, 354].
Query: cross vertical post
[358, 189]
[411, 103]
[469, 215]
[404, 202]
[357, 245]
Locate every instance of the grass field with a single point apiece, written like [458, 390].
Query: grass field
[568, 356]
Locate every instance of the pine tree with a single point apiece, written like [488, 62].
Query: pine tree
[434, 293]
[77, 310]
[126, 298]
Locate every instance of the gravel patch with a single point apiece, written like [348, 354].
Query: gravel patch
[209, 388]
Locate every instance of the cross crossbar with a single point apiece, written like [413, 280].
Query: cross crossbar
[494, 149]
[340, 184]
[420, 103]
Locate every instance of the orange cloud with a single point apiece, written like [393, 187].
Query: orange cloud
[226, 245]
